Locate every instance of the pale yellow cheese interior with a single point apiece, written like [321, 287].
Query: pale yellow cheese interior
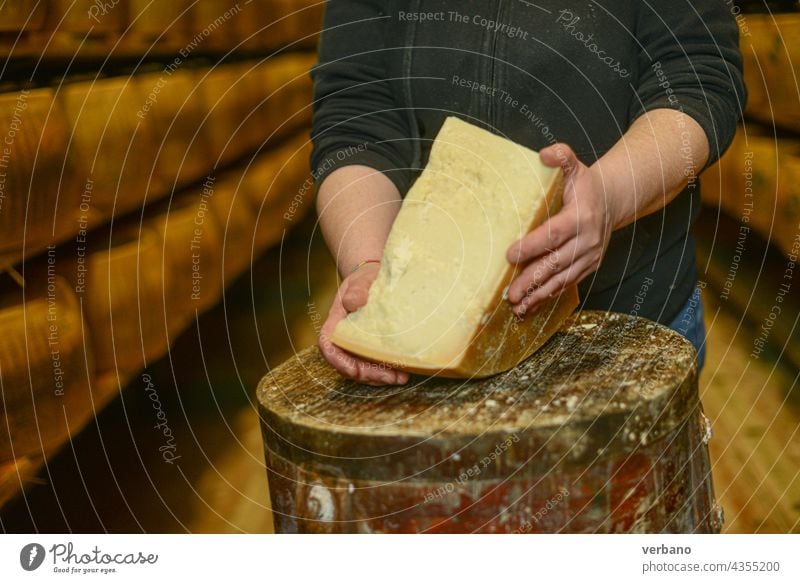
[445, 259]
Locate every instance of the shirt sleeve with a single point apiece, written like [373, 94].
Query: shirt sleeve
[356, 118]
[690, 61]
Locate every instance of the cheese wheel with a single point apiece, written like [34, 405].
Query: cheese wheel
[44, 367]
[177, 111]
[39, 189]
[228, 104]
[122, 300]
[437, 304]
[16, 475]
[287, 93]
[17, 15]
[114, 142]
[770, 45]
[86, 16]
[254, 207]
[757, 182]
[280, 186]
[252, 25]
[190, 240]
[236, 219]
[253, 102]
[297, 23]
[216, 25]
[158, 26]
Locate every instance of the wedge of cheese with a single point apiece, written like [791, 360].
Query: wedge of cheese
[438, 303]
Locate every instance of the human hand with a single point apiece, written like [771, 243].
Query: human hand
[352, 294]
[571, 244]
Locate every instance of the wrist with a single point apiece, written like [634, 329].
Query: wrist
[615, 193]
[364, 262]
[363, 255]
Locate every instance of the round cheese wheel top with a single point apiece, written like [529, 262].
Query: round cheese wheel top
[603, 381]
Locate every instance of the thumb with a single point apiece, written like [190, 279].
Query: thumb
[355, 295]
[560, 155]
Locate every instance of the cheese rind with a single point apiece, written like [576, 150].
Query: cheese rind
[437, 305]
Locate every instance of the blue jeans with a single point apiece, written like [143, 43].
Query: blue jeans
[689, 323]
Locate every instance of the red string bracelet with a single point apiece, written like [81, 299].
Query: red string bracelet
[363, 263]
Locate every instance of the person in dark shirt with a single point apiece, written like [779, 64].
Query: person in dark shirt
[632, 99]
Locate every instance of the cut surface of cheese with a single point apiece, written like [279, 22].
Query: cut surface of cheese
[437, 305]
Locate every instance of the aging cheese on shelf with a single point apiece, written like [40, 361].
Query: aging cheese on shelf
[40, 185]
[757, 182]
[437, 305]
[45, 367]
[236, 221]
[281, 189]
[770, 47]
[123, 299]
[177, 111]
[114, 143]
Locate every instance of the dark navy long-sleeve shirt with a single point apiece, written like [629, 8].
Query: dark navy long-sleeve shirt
[536, 72]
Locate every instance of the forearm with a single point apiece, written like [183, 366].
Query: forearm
[356, 206]
[650, 165]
